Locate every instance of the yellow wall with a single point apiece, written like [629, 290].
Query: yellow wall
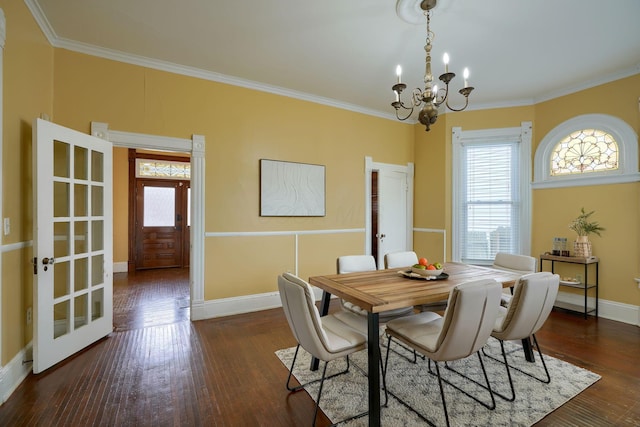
[242, 126]
[28, 92]
[617, 206]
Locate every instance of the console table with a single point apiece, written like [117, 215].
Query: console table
[584, 285]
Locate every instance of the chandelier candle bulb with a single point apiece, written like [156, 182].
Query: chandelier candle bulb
[399, 74]
[465, 74]
[445, 59]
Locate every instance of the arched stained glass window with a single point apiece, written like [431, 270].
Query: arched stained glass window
[591, 149]
[584, 151]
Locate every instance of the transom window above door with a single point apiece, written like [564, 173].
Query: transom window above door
[149, 168]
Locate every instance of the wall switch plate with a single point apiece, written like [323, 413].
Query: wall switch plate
[7, 226]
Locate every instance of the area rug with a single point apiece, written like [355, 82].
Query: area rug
[346, 395]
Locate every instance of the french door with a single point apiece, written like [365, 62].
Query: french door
[73, 242]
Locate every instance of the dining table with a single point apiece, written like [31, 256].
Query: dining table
[383, 290]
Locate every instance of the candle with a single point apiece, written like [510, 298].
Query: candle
[399, 73]
[434, 92]
[445, 58]
[465, 74]
[397, 96]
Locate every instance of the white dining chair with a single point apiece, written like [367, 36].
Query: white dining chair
[528, 310]
[523, 264]
[326, 338]
[514, 263]
[359, 263]
[407, 259]
[400, 259]
[463, 330]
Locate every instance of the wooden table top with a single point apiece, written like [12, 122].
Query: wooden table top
[383, 290]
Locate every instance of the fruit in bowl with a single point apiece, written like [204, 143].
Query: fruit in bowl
[427, 270]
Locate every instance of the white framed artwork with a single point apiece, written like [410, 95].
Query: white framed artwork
[291, 189]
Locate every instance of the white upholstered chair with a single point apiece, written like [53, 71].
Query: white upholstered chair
[359, 263]
[327, 338]
[523, 264]
[528, 309]
[463, 330]
[407, 259]
[400, 259]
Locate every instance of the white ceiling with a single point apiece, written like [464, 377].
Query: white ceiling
[344, 52]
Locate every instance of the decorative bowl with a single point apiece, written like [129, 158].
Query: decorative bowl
[424, 272]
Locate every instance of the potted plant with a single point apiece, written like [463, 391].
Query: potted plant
[583, 227]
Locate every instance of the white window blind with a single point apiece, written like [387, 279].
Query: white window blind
[490, 203]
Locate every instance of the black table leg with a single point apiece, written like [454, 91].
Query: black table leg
[373, 351]
[324, 309]
[528, 350]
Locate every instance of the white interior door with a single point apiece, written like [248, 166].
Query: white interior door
[73, 242]
[393, 226]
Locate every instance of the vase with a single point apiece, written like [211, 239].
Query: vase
[582, 247]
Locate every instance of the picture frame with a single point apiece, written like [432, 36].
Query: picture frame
[292, 189]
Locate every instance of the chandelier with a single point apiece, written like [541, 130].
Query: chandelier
[431, 97]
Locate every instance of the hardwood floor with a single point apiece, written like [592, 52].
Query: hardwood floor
[158, 368]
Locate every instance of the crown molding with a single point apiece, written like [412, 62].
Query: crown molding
[170, 67]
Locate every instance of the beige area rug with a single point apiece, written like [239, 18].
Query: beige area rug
[346, 395]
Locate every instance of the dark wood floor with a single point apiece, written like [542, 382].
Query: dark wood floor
[159, 369]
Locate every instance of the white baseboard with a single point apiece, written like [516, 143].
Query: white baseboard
[14, 372]
[238, 305]
[120, 267]
[611, 310]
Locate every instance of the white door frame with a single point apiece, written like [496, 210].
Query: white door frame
[195, 146]
[371, 166]
[3, 34]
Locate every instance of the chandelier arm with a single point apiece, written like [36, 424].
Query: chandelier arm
[408, 114]
[458, 109]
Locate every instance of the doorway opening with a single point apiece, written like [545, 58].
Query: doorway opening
[159, 213]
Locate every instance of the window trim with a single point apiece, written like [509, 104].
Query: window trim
[523, 135]
[624, 135]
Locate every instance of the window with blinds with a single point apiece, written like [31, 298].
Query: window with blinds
[489, 201]
[491, 193]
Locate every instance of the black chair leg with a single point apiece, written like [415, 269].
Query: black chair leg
[444, 403]
[545, 380]
[513, 392]
[302, 386]
[315, 414]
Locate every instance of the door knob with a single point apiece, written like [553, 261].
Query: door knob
[47, 261]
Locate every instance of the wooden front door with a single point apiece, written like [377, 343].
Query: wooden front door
[161, 223]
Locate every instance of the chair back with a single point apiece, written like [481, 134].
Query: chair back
[532, 301]
[400, 259]
[468, 320]
[298, 303]
[523, 264]
[354, 263]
